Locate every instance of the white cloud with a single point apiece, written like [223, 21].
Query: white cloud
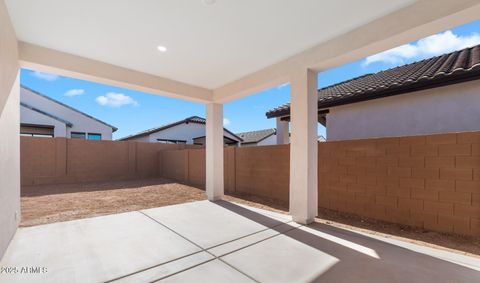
[45, 76]
[434, 45]
[114, 99]
[74, 92]
[226, 122]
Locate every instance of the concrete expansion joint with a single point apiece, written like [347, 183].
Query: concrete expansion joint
[207, 250]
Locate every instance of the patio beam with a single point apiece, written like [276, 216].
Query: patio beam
[214, 152]
[49, 60]
[418, 20]
[303, 146]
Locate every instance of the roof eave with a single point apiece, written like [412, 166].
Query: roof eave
[114, 129]
[439, 81]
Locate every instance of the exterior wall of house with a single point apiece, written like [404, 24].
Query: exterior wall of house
[33, 117]
[271, 140]
[9, 129]
[10, 167]
[81, 123]
[140, 139]
[453, 108]
[182, 132]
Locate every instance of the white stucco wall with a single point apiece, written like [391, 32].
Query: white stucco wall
[10, 167]
[9, 132]
[141, 139]
[181, 132]
[454, 108]
[30, 116]
[81, 123]
[271, 140]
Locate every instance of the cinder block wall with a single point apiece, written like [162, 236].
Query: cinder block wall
[263, 171]
[188, 166]
[427, 181]
[61, 160]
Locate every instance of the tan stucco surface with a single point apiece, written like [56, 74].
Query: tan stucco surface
[453, 108]
[9, 129]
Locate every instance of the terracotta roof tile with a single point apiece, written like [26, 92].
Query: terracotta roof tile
[455, 67]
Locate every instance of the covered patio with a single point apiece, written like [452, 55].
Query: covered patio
[220, 242]
[217, 56]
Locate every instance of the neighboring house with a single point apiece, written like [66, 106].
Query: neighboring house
[42, 116]
[260, 137]
[187, 131]
[436, 95]
[264, 137]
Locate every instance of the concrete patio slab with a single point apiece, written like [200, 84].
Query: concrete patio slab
[212, 272]
[252, 239]
[281, 259]
[347, 257]
[94, 249]
[220, 242]
[167, 269]
[210, 225]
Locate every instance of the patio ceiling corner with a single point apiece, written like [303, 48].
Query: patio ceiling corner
[49, 60]
[412, 22]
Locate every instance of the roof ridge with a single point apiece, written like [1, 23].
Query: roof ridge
[273, 129]
[69, 124]
[397, 67]
[68, 106]
[173, 124]
[449, 68]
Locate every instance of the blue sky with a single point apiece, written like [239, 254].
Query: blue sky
[133, 111]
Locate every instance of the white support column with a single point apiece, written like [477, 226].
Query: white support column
[303, 146]
[214, 151]
[282, 131]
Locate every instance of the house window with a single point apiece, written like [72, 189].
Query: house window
[94, 137]
[171, 141]
[36, 135]
[77, 135]
[41, 131]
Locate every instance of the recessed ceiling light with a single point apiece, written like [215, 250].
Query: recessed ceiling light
[209, 2]
[162, 48]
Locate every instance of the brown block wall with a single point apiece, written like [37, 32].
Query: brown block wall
[427, 181]
[188, 166]
[263, 171]
[60, 160]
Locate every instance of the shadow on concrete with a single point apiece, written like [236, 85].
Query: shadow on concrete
[468, 244]
[394, 263]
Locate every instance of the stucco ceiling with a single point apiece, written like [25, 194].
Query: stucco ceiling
[208, 45]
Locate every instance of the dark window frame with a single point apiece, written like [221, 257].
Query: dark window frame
[96, 134]
[36, 135]
[78, 133]
[169, 141]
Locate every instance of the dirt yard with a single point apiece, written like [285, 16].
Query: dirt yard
[55, 203]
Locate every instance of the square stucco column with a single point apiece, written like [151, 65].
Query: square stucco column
[282, 131]
[214, 151]
[303, 147]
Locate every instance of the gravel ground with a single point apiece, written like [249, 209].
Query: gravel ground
[56, 203]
